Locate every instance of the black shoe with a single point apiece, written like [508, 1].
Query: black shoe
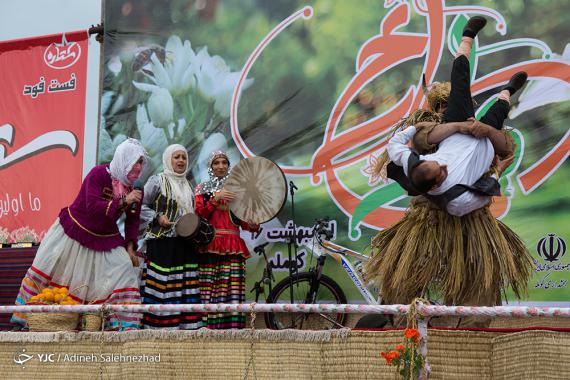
[516, 82]
[474, 25]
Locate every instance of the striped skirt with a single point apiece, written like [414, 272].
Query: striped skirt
[222, 280]
[92, 277]
[170, 276]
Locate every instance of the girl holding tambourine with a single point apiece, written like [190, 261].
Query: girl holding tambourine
[222, 262]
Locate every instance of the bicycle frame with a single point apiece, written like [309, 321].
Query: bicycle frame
[266, 277]
[340, 253]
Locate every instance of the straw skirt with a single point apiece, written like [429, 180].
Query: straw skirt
[465, 261]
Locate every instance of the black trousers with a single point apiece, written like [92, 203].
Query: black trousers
[460, 103]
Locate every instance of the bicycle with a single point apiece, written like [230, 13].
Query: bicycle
[313, 286]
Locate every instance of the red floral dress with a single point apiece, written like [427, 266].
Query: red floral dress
[222, 263]
[226, 240]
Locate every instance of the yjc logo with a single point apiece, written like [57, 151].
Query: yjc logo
[21, 357]
[551, 248]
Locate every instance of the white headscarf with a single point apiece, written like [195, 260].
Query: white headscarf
[126, 155]
[181, 189]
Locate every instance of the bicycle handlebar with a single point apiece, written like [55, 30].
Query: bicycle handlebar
[322, 228]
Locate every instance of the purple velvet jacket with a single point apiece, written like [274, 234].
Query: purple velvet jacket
[92, 218]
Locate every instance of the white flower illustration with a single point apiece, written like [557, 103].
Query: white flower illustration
[152, 138]
[176, 74]
[160, 107]
[215, 82]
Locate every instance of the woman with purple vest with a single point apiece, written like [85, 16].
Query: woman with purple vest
[84, 250]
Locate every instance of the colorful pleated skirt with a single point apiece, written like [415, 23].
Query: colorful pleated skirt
[222, 280]
[170, 276]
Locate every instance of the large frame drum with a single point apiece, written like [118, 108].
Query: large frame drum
[260, 187]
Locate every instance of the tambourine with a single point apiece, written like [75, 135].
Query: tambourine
[194, 228]
[260, 187]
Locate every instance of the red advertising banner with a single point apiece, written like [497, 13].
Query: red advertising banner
[42, 121]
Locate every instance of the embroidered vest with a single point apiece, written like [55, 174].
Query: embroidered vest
[165, 204]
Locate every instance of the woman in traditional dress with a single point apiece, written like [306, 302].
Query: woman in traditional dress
[84, 250]
[170, 274]
[222, 263]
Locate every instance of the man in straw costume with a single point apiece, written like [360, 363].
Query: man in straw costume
[448, 242]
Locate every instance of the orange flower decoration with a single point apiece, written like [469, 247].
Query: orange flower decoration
[387, 357]
[407, 357]
[412, 334]
[390, 356]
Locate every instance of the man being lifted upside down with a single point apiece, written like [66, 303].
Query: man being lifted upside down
[448, 242]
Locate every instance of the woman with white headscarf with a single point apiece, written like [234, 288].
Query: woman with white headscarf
[170, 274]
[84, 250]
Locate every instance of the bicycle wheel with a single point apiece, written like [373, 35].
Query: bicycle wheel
[328, 292]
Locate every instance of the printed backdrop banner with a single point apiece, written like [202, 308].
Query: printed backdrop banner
[42, 121]
[318, 85]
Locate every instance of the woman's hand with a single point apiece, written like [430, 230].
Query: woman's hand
[164, 222]
[253, 226]
[134, 196]
[224, 195]
[132, 255]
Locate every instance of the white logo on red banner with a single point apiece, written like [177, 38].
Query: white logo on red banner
[62, 55]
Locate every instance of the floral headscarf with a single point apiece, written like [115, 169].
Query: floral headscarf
[215, 183]
[126, 156]
[181, 189]
[124, 168]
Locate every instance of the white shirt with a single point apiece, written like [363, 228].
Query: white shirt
[467, 159]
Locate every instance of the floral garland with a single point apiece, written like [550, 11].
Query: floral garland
[21, 235]
[4, 235]
[24, 235]
[214, 184]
